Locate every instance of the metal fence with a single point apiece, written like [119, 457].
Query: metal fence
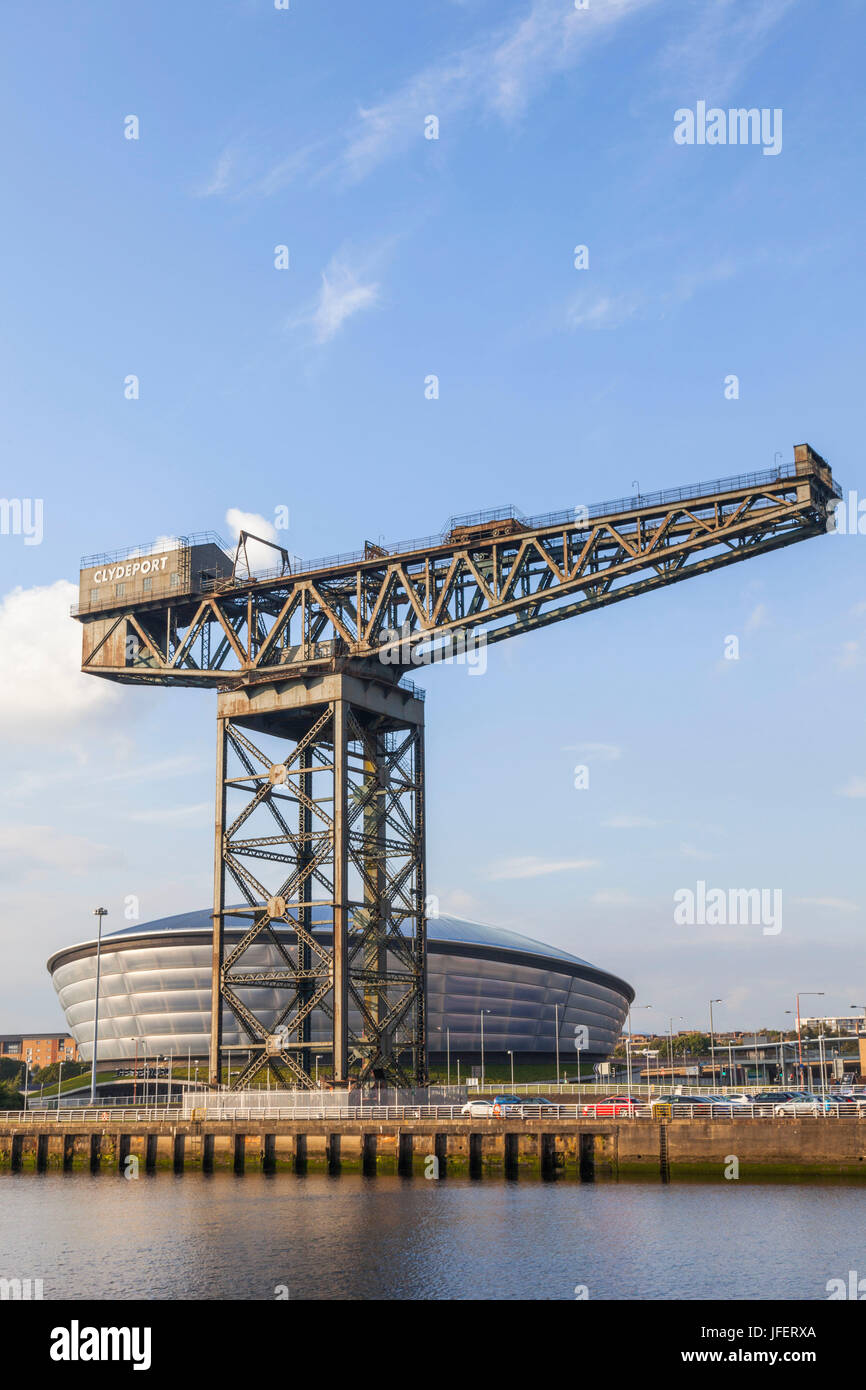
[472, 1111]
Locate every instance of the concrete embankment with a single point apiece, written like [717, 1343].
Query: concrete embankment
[584, 1149]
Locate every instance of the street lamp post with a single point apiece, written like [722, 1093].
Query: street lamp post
[556, 1012]
[628, 1042]
[447, 1032]
[59, 1082]
[511, 1055]
[815, 994]
[822, 1062]
[713, 1041]
[671, 1037]
[483, 1012]
[318, 1056]
[99, 913]
[135, 1072]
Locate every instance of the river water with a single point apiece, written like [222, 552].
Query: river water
[351, 1237]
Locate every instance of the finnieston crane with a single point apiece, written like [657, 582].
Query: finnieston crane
[320, 736]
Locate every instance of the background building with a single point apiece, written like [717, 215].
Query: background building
[841, 1023]
[38, 1049]
[155, 987]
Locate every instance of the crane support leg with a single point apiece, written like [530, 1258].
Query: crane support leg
[320, 837]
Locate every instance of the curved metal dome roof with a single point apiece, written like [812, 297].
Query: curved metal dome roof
[442, 928]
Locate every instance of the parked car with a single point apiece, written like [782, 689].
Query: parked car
[534, 1105]
[612, 1106]
[717, 1104]
[478, 1109]
[507, 1105]
[765, 1102]
[661, 1105]
[806, 1104]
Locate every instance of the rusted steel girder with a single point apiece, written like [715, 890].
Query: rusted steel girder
[408, 604]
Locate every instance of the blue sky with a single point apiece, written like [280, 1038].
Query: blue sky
[304, 388]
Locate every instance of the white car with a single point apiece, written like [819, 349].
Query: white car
[478, 1109]
[806, 1105]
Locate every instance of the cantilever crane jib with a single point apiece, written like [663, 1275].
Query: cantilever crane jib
[320, 741]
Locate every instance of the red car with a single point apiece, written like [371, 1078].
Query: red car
[612, 1106]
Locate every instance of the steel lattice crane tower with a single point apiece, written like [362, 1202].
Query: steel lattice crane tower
[320, 737]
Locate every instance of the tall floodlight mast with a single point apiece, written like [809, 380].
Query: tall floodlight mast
[320, 737]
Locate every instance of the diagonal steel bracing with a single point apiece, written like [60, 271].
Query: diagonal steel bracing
[334, 905]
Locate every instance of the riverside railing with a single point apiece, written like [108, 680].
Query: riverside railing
[657, 1110]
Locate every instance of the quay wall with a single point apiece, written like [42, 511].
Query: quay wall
[583, 1148]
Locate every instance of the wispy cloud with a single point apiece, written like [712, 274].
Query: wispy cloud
[757, 618]
[346, 290]
[220, 178]
[601, 752]
[606, 308]
[849, 656]
[602, 310]
[692, 852]
[531, 867]
[835, 904]
[728, 36]
[498, 74]
[159, 815]
[855, 787]
[30, 850]
[626, 822]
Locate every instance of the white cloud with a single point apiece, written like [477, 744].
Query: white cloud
[601, 311]
[855, 787]
[42, 687]
[692, 852]
[630, 822]
[343, 294]
[258, 557]
[531, 867]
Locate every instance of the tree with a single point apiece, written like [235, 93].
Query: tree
[10, 1096]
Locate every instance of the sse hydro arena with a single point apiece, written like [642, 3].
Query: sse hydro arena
[155, 986]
